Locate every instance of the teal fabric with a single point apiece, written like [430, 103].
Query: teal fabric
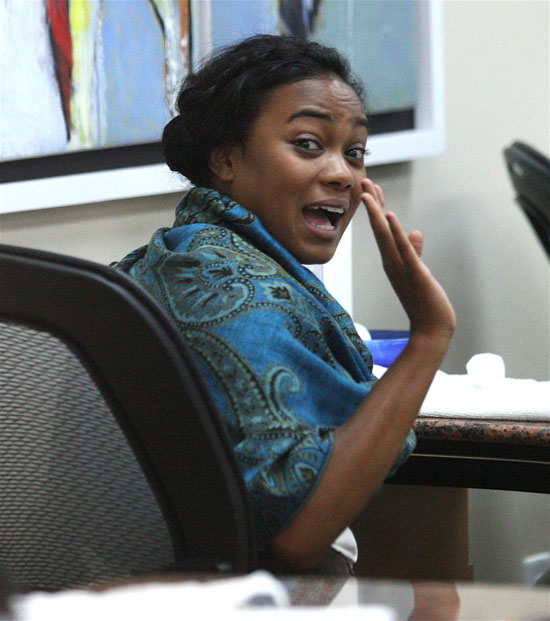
[281, 357]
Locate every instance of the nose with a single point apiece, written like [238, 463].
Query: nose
[337, 172]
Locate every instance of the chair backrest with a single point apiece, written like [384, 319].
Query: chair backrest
[113, 459]
[530, 174]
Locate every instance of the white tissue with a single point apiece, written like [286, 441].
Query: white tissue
[173, 601]
[486, 370]
[486, 393]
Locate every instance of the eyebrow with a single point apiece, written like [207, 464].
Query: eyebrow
[308, 112]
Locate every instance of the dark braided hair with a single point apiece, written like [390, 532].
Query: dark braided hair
[218, 103]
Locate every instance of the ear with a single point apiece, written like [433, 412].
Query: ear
[221, 163]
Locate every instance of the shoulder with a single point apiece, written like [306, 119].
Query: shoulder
[216, 253]
[207, 274]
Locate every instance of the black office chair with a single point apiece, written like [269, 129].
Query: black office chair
[113, 460]
[530, 174]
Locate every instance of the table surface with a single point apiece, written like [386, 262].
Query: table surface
[408, 600]
[479, 453]
[522, 433]
[426, 600]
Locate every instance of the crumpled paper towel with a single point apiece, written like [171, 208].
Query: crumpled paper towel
[486, 392]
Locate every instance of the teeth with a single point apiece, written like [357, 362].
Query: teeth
[333, 209]
[324, 227]
[338, 210]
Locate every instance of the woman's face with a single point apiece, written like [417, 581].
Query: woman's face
[301, 166]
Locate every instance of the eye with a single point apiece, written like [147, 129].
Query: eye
[307, 144]
[357, 153]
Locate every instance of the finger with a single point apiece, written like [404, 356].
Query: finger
[380, 196]
[373, 198]
[374, 189]
[370, 194]
[370, 188]
[375, 212]
[381, 229]
[405, 247]
[417, 240]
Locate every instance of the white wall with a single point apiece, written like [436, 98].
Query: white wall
[477, 241]
[102, 232]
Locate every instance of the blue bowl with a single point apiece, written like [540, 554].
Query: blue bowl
[386, 345]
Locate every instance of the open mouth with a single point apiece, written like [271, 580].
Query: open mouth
[323, 217]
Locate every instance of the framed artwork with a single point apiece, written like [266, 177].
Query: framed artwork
[83, 107]
[87, 86]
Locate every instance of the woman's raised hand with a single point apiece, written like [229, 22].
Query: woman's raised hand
[422, 297]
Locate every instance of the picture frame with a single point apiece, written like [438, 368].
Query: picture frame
[152, 177]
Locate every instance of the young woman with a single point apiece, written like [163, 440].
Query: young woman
[272, 134]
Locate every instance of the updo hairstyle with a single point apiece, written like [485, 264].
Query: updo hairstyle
[218, 103]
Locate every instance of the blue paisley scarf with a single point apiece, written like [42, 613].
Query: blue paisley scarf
[281, 357]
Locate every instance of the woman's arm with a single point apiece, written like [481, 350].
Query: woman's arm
[367, 445]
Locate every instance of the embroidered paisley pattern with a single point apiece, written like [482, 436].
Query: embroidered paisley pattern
[217, 281]
[281, 358]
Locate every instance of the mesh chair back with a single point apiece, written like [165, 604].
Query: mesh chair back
[112, 457]
[75, 504]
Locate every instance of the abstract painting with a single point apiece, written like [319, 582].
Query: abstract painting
[377, 36]
[81, 74]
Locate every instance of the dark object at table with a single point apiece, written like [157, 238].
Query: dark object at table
[530, 174]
